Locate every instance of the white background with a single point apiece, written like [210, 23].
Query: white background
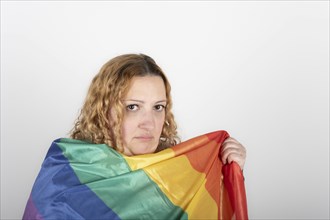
[259, 70]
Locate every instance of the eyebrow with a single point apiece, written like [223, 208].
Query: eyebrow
[140, 101]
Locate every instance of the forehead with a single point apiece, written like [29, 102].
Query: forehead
[146, 86]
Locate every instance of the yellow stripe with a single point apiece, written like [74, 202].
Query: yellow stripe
[179, 181]
[145, 160]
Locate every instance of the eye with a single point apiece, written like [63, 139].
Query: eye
[132, 107]
[159, 108]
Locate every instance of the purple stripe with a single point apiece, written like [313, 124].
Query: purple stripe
[31, 211]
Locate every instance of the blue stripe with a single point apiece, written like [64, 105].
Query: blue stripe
[58, 193]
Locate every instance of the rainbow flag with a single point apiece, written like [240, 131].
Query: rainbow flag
[80, 180]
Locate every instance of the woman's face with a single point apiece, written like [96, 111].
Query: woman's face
[144, 115]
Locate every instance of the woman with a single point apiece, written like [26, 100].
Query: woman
[108, 170]
[129, 107]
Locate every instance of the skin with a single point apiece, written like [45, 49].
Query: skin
[232, 150]
[145, 104]
[144, 118]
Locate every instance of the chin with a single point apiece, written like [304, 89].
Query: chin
[144, 150]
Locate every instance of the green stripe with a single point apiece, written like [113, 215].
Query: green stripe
[131, 194]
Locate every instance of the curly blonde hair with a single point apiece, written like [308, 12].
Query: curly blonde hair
[105, 93]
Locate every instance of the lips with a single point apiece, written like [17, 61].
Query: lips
[144, 137]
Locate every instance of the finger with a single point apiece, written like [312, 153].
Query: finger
[232, 145]
[230, 142]
[237, 151]
[236, 158]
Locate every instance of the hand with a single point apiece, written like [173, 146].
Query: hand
[232, 150]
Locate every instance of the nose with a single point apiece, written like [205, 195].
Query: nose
[147, 121]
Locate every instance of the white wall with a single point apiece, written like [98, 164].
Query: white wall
[258, 69]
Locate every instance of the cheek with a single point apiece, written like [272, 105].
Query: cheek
[160, 122]
[128, 127]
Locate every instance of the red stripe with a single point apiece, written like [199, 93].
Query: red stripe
[234, 183]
